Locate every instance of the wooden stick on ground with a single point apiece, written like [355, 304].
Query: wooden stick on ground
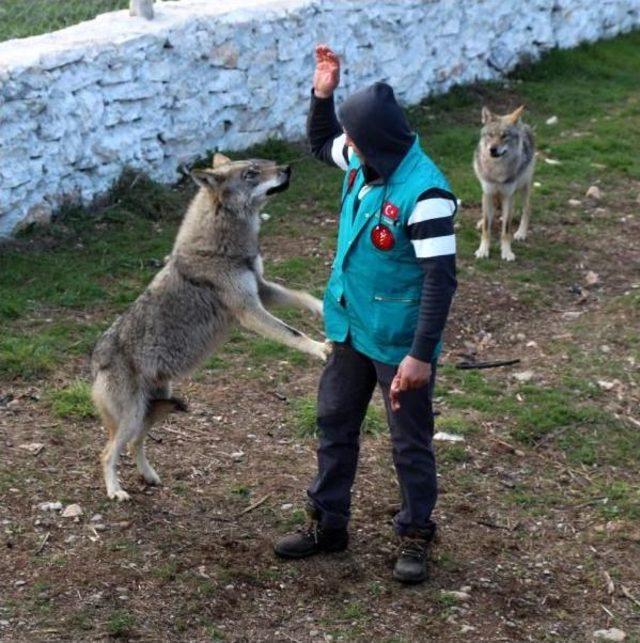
[628, 595]
[468, 364]
[255, 505]
[44, 542]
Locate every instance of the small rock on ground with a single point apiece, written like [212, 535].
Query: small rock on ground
[612, 634]
[72, 511]
[460, 596]
[594, 193]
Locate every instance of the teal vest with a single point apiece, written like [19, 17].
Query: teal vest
[373, 295]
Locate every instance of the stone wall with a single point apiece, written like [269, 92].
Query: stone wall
[79, 104]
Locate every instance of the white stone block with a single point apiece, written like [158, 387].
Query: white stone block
[130, 91]
[223, 80]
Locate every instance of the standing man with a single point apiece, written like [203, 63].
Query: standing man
[385, 309]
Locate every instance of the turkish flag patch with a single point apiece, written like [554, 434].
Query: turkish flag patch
[390, 211]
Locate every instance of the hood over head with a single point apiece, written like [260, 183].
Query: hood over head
[377, 125]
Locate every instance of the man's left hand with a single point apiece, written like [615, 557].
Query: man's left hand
[411, 374]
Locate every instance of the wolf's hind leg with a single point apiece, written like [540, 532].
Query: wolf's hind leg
[158, 409]
[523, 228]
[259, 320]
[144, 467]
[129, 428]
[272, 294]
[136, 447]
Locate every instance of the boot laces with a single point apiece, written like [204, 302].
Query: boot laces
[413, 548]
[312, 530]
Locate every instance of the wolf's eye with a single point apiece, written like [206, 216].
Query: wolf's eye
[251, 174]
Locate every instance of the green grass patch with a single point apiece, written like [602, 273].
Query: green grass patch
[455, 423]
[36, 350]
[296, 272]
[82, 262]
[72, 401]
[353, 612]
[567, 416]
[19, 18]
[167, 571]
[622, 500]
[120, 624]
[264, 350]
[294, 519]
[454, 453]
[303, 413]
[257, 351]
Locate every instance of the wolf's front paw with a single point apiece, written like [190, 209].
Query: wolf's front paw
[520, 235]
[322, 350]
[483, 251]
[120, 495]
[507, 254]
[150, 476]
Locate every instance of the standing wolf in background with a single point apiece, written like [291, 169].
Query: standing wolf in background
[504, 162]
[213, 277]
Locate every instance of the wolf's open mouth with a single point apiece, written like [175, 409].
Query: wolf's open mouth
[278, 188]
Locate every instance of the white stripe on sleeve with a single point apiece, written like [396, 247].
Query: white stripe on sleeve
[337, 151]
[432, 209]
[435, 246]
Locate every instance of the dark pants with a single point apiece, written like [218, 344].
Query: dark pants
[345, 390]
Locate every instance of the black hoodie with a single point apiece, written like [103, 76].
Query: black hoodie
[377, 125]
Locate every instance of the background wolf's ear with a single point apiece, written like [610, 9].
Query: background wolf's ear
[220, 159]
[487, 116]
[206, 178]
[515, 115]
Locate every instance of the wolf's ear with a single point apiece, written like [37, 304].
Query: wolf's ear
[487, 115]
[514, 117]
[220, 159]
[206, 178]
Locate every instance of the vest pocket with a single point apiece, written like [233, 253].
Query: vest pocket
[395, 317]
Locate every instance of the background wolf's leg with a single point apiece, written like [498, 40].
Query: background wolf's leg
[487, 217]
[505, 237]
[523, 228]
[272, 294]
[261, 321]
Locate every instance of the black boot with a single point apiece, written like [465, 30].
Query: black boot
[312, 540]
[411, 564]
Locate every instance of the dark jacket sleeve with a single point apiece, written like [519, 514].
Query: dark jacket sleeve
[322, 128]
[439, 283]
[438, 288]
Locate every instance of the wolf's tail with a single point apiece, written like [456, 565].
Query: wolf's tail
[158, 409]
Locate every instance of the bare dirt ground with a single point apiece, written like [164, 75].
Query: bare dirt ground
[522, 526]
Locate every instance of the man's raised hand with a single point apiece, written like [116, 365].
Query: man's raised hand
[327, 74]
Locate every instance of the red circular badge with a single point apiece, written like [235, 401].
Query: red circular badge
[382, 237]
